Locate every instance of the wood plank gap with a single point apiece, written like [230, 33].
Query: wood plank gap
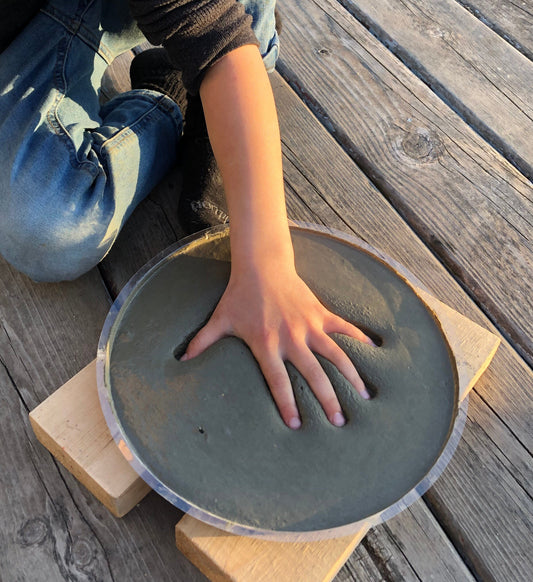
[164, 211]
[467, 285]
[60, 512]
[107, 283]
[424, 564]
[455, 540]
[510, 20]
[317, 192]
[506, 425]
[382, 563]
[60, 470]
[14, 384]
[507, 559]
[500, 450]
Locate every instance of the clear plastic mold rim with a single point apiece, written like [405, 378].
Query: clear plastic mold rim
[130, 454]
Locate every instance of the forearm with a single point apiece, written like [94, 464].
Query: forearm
[243, 128]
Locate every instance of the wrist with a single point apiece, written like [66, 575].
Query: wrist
[263, 244]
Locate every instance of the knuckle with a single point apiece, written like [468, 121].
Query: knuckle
[266, 336]
[315, 374]
[292, 335]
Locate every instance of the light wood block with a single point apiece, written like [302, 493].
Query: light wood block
[472, 345]
[225, 557]
[70, 424]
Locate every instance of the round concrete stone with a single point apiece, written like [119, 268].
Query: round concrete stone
[209, 431]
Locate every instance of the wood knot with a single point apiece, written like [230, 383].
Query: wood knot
[33, 532]
[81, 552]
[323, 51]
[417, 145]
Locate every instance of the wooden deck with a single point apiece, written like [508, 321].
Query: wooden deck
[409, 124]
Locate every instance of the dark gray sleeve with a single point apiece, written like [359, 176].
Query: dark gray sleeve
[196, 33]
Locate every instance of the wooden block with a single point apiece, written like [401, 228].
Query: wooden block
[71, 425]
[224, 557]
[472, 345]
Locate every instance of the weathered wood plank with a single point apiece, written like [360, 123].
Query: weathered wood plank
[470, 206]
[441, 566]
[466, 63]
[497, 504]
[52, 528]
[42, 534]
[313, 184]
[38, 348]
[510, 19]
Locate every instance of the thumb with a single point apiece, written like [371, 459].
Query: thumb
[212, 331]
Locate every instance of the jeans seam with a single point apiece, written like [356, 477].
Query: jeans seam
[125, 132]
[53, 114]
[80, 31]
[62, 86]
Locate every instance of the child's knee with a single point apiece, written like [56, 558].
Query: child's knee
[48, 250]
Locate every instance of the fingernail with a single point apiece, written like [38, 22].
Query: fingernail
[371, 343]
[338, 419]
[295, 423]
[184, 358]
[365, 394]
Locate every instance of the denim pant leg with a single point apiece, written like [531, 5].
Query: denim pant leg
[72, 173]
[264, 26]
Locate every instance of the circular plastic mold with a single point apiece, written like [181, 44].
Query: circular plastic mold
[167, 421]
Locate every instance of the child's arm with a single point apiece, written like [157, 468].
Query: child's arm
[266, 304]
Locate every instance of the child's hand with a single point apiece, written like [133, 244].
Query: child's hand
[280, 319]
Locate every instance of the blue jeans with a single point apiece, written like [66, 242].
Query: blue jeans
[72, 171]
